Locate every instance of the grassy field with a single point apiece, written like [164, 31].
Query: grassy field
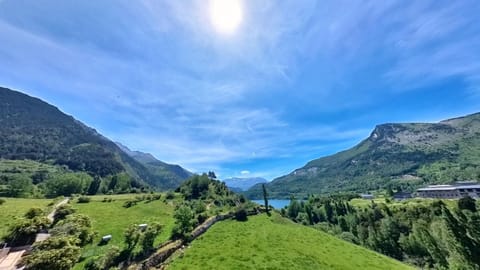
[276, 243]
[15, 208]
[112, 218]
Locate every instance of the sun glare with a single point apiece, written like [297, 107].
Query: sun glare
[226, 15]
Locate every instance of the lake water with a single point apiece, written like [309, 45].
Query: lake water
[277, 204]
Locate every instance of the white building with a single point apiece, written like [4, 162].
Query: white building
[450, 191]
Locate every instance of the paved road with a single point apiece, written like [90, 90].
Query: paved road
[52, 214]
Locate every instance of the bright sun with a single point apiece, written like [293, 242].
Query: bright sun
[226, 15]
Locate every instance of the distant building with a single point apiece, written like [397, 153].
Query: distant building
[450, 191]
[400, 196]
[367, 196]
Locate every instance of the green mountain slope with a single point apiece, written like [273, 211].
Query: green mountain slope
[172, 175]
[394, 155]
[33, 129]
[274, 242]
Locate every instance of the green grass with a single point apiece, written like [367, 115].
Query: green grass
[112, 218]
[276, 243]
[15, 208]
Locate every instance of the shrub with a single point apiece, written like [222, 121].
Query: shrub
[83, 199]
[2, 201]
[467, 203]
[62, 212]
[33, 212]
[241, 214]
[23, 231]
[170, 195]
[129, 203]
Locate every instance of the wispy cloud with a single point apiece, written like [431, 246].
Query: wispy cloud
[299, 79]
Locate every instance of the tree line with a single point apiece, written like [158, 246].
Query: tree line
[429, 234]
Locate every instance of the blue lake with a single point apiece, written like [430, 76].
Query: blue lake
[277, 204]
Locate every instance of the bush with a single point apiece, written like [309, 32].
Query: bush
[62, 212]
[23, 231]
[129, 203]
[107, 200]
[170, 195]
[84, 199]
[2, 201]
[241, 214]
[467, 203]
[33, 212]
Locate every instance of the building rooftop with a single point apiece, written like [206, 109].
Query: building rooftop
[449, 187]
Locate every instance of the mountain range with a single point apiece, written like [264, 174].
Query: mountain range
[172, 175]
[397, 156]
[35, 130]
[243, 183]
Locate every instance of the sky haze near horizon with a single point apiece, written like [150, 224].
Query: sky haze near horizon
[293, 81]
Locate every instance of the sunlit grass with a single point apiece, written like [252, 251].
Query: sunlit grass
[276, 243]
[15, 208]
[112, 218]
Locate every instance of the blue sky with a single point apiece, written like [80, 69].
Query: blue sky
[296, 81]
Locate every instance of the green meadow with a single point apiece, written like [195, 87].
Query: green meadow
[15, 208]
[276, 243]
[112, 218]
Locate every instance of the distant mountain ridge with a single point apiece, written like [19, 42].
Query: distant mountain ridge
[172, 175]
[243, 184]
[33, 129]
[394, 155]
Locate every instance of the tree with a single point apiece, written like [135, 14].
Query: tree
[59, 253]
[19, 185]
[184, 222]
[265, 198]
[67, 184]
[94, 186]
[78, 226]
[106, 261]
[131, 237]
[148, 237]
[293, 209]
[212, 175]
[467, 203]
[23, 231]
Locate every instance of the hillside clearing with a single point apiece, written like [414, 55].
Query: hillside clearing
[112, 218]
[276, 243]
[15, 208]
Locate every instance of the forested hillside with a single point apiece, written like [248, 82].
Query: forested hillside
[31, 129]
[401, 156]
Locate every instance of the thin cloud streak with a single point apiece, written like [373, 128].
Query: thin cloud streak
[298, 79]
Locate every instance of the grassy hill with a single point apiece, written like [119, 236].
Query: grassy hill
[394, 155]
[276, 243]
[35, 130]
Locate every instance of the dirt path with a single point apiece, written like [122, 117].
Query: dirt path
[52, 214]
[9, 262]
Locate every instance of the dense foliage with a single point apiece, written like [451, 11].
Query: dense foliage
[205, 197]
[428, 234]
[31, 129]
[402, 156]
[62, 249]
